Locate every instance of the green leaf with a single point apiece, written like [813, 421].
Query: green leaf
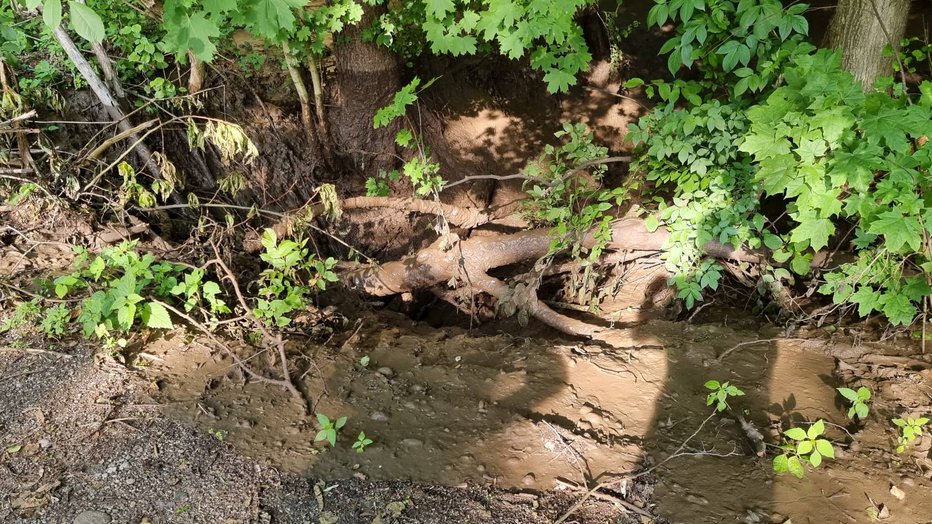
[816, 429]
[713, 384]
[864, 393]
[848, 393]
[825, 448]
[861, 410]
[898, 230]
[781, 464]
[796, 433]
[86, 22]
[804, 447]
[156, 316]
[801, 264]
[795, 467]
[340, 422]
[51, 13]
[651, 223]
[815, 458]
[815, 231]
[323, 419]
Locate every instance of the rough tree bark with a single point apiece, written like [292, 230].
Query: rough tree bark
[367, 77]
[860, 29]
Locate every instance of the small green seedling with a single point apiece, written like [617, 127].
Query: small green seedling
[218, 434]
[364, 361]
[802, 446]
[720, 393]
[858, 400]
[910, 430]
[329, 429]
[361, 442]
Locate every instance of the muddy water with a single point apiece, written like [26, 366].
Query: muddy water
[449, 407]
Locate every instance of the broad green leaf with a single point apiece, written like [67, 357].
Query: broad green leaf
[861, 410]
[825, 448]
[898, 230]
[795, 467]
[815, 459]
[86, 22]
[804, 447]
[848, 393]
[780, 464]
[156, 316]
[651, 223]
[323, 419]
[795, 433]
[816, 429]
[340, 422]
[51, 13]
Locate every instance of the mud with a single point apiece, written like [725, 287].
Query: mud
[449, 407]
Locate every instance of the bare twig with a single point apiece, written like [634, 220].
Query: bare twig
[753, 342]
[602, 485]
[34, 351]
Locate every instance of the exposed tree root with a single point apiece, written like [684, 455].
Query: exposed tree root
[469, 261]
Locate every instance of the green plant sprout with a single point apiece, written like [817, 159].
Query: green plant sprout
[218, 434]
[802, 446]
[858, 400]
[910, 430]
[361, 442]
[720, 393]
[329, 429]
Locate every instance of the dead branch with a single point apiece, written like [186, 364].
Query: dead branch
[477, 255]
[25, 116]
[106, 98]
[277, 340]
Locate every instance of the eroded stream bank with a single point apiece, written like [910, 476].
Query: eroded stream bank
[531, 413]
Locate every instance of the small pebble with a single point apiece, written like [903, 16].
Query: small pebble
[379, 416]
[480, 468]
[897, 492]
[412, 443]
[385, 372]
[92, 517]
[529, 479]
[45, 443]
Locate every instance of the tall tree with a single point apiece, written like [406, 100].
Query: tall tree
[367, 77]
[861, 28]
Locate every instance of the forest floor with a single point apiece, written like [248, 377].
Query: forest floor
[497, 423]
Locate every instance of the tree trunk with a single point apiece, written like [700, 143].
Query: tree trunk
[860, 29]
[367, 77]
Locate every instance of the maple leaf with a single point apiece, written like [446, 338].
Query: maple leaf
[270, 17]
[897, 230]
[815, 231]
